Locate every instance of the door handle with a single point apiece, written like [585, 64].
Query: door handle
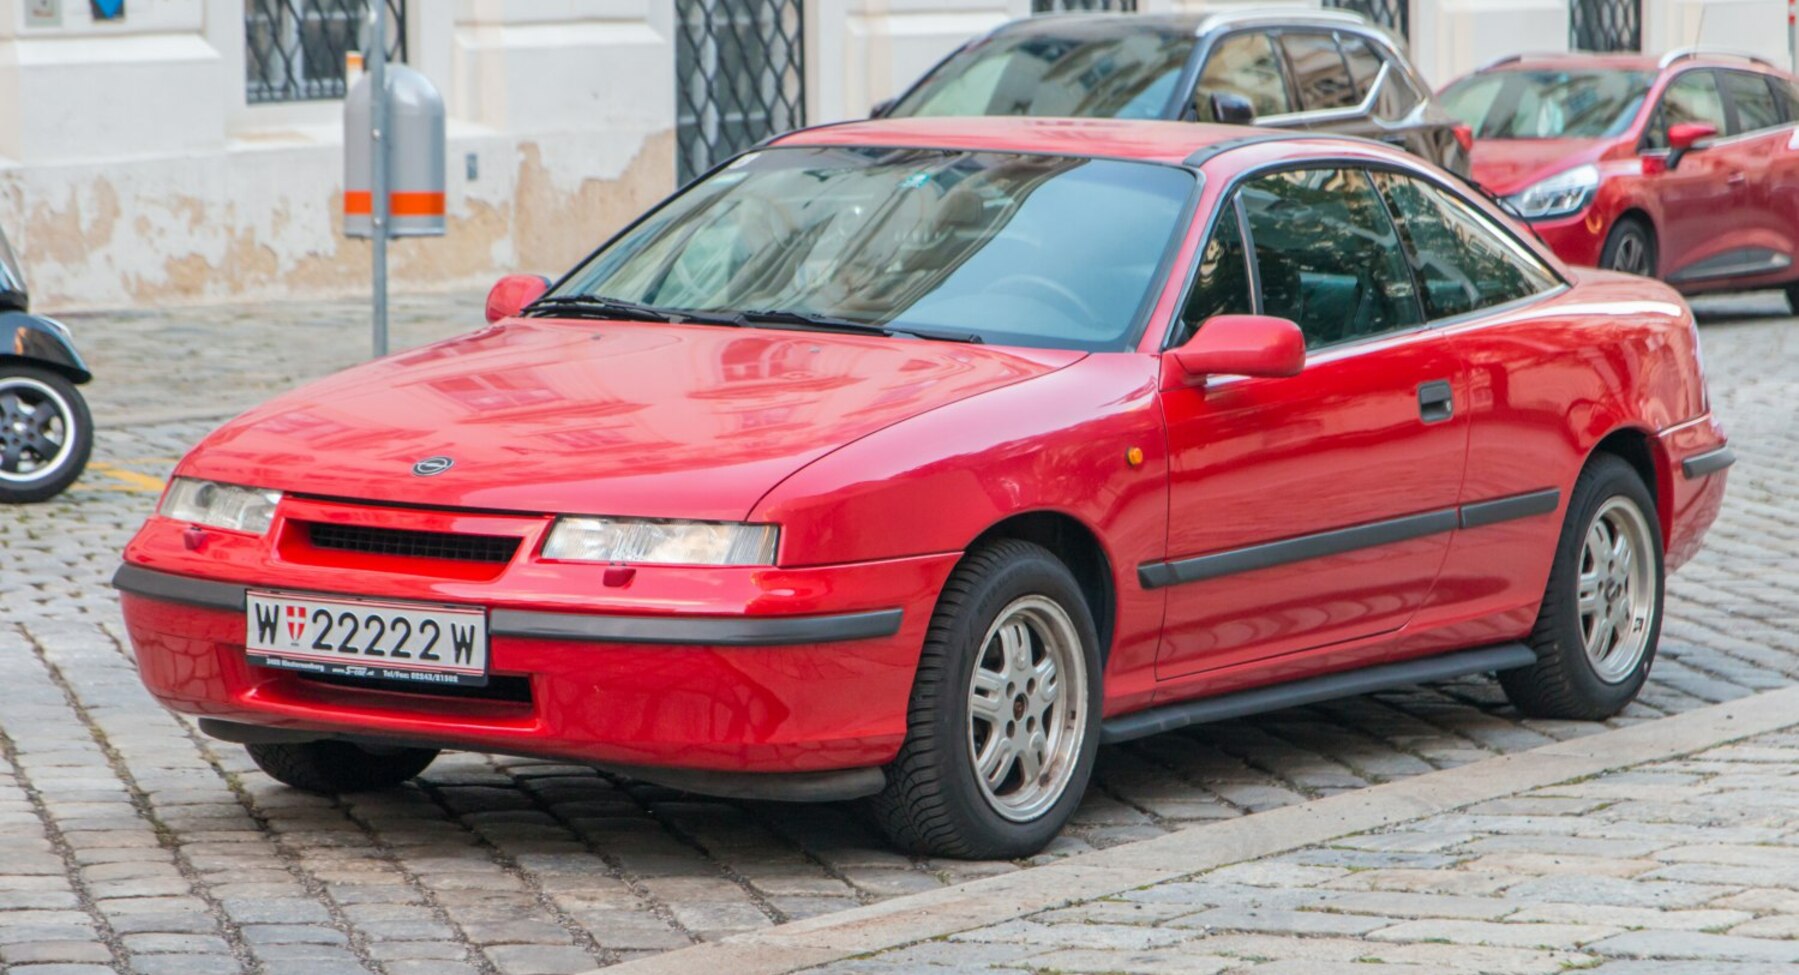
[1436, 401]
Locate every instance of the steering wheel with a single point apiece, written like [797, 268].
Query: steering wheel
[1039, 287]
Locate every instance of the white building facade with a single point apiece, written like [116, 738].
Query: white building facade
[191, 150]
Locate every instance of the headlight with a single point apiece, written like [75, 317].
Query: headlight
[1559, 195]
[661, 542]
[240, 509]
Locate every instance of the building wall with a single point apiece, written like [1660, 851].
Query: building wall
[132, 170]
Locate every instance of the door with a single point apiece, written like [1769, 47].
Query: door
[1758, 138]
[1701, 199]
[1314, 509]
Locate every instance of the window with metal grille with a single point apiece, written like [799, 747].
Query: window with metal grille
[740, 77]
[294, 49]
[1394, 15]
[1067, 6]
[1605, 25]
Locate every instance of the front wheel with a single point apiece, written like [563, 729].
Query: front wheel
[1601, 617]
[46, 434]
[1003, 726]
[331, 767]
[1629, 248]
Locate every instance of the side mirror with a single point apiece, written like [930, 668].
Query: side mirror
[1684, 138]
[882, 107]
[1236, 345]
[512, 293]
[1231, 108]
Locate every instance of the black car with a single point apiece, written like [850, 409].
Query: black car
[1328, 70]
[45, 429]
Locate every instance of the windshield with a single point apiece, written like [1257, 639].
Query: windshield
[1131, 75]
[1047, 251]
[1547, 104]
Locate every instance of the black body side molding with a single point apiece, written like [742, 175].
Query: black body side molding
[1710, 462]
[1506, 656]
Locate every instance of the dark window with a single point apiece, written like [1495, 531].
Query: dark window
[1243, 64]
[1754, 101]
[1463, 262]
[1319, 73]
[1081, 69]
[1364, 64]
[1221, 285]
[1786, 93]
[1327, 255]
[1692, 97]
[294, 49]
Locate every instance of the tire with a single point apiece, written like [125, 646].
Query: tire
[1630, 248]
[1582, 673]
[1007, 608]
[331, 767]
[46, 434]
[1792, 291]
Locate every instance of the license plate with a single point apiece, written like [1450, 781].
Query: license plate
[372, 639]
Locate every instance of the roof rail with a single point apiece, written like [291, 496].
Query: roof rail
[1311, 15]
[1686, 53]
[1515, 58]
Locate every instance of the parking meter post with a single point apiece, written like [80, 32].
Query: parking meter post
[378, 202]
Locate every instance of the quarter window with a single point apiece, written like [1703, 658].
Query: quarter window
[1319, 73]
[1328, 256]
[1364, 64]
[1692, 97]
[1221, 285]
[1754, 101]
[1243, 64]
[1463, 262]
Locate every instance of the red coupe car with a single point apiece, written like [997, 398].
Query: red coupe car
[1684, 168]
[912, 460]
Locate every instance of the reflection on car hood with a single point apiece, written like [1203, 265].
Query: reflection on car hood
[686, 421]
[1505, 166]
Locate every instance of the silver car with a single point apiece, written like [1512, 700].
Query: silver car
[1326, 70]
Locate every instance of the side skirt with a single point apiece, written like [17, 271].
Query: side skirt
[1506, 656]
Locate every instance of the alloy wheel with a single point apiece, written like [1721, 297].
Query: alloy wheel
[1632, 255]
[1025, 702]
[34, 429]
[1614, 591]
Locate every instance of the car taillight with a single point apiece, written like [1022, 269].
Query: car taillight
[1464, 135]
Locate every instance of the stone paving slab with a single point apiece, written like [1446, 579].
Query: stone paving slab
[123, 831]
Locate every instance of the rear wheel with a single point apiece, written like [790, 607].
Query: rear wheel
[45, 434]
[1003, 725]
[1630, 248]
[331, 767]
[1601, 617]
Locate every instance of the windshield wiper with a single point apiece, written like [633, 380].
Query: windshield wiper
[829, 323]
[600, 306]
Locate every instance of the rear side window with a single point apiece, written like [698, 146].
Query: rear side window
[1319, 73]
[1754, 101]
[1221, 284]
[1787, 94]
[1463, 262]
[1692, 97]
[1364, 64]
[1243, 64]
[1327, 255]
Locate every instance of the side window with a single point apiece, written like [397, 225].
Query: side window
[1328, 256]
[1463, 262]
[1787, 94]
[1691, 97]
[1364, 64]
[1221, 285]
[1319, 73]
[1243, 64]
[1754, 101]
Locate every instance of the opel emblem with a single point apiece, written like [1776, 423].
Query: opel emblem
[431, 465]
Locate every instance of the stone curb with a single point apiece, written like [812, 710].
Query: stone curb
[1102, 873]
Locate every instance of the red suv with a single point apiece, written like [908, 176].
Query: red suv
[1682, 168]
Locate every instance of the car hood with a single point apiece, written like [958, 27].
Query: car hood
[1505, 166]
[647, 420]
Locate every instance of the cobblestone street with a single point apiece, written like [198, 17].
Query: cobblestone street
[131, 843]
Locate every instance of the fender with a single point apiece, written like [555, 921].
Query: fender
[36, 340]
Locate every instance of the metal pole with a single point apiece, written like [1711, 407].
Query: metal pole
[378, 184]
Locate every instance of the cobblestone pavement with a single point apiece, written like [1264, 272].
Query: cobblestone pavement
[1684, 867]
[129, 843]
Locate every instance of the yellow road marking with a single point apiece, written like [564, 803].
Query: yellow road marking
[133, 481]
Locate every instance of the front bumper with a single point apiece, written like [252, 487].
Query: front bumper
[1577, 239]
[766, 671]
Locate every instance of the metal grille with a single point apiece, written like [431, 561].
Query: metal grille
[413, 544]
[1605, 25]
[294, 49]
[1394, 15]
[1064, 6]
[740, 77]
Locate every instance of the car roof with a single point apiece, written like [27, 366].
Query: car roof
[1148, 141]
[1650, 64]
[1096, 26]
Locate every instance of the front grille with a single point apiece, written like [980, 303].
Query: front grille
[506, 689]
[413, 544]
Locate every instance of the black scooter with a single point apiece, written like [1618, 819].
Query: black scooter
[46, 431]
